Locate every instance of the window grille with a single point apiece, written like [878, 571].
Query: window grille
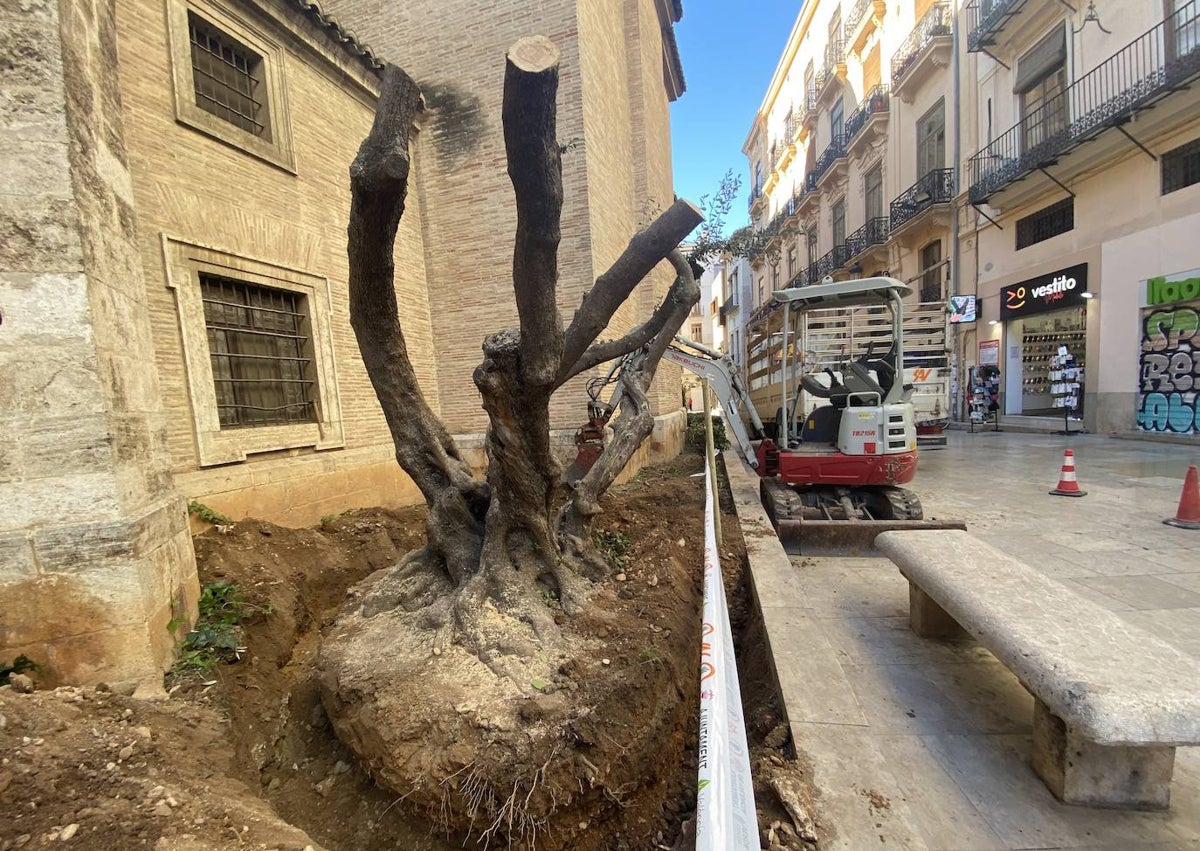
[1181, 167]
[227, 78]
[261, 357]
[1045, 223]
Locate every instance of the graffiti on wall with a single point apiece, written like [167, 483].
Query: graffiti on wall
[1169, 386]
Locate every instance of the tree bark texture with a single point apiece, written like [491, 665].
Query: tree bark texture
[502, 539]
[424, 449]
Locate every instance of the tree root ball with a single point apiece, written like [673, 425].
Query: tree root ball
[554, 744]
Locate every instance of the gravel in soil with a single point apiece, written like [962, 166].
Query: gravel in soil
[245, 757]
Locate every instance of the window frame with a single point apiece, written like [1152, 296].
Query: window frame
[924, 136]
[184, 262]
[279, 149]
[873, 188]
[1180, 153]
[837, 221]
[1036, 227]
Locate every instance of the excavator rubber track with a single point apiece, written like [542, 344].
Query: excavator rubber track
[841, 521]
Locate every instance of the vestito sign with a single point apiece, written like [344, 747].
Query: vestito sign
[1045, 292]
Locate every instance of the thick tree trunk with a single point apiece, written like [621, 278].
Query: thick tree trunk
[424, 449]
[501, 540]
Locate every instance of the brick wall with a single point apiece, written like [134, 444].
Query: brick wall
[455, 50]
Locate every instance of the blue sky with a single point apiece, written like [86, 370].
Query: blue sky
[729, 50]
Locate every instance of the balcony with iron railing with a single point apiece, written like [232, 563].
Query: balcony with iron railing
[832, 261]
[873, 111]
[834, 65]
[935, 187]
[805, 278]
[985, 19]
[874, 232]
[836, 150]
[861, 21]
[808, 112]
[1163, 60]
[756, 195]
[928, 41]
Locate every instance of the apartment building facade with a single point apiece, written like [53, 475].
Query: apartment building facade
[851, 170]
[1048, 197]
[1081, 197]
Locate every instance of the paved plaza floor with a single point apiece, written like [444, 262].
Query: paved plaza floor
[920, 744]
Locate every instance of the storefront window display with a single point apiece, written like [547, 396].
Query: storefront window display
[1045, 340]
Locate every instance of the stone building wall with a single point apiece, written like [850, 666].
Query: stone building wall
[95, 557]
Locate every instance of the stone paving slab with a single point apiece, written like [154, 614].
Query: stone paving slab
[955, 772]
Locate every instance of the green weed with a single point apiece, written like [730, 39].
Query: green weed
[207, 514]
[214, 639]
[614, 545]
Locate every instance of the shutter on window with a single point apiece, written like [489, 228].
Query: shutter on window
[1037, 64]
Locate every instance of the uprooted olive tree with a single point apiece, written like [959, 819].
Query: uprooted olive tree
[473, 677]
[508, 539]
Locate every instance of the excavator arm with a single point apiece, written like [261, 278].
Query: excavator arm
[719, 370]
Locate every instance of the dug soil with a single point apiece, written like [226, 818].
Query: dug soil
[245, 757]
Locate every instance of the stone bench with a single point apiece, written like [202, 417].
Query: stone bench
[1112, 702]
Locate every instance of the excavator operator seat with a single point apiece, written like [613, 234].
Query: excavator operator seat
[822, 425]
[884, 367]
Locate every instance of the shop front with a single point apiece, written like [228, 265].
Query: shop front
[1045, 333]
[1169, 358]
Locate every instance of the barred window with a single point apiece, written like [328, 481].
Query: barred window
[228, 78]
[1181, 167]
[1045, 223]
[258, 339]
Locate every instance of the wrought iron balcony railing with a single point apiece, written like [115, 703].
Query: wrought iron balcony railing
[835, 54]
[935, 187]
[810, 102]
[755, 194]
[834, 259]
[876, 102]
[933, 24]
[874, 232]
[805, 277]
[1152, 66]
[985, 18]
[855, 17]
[789, 127]
[835, 150]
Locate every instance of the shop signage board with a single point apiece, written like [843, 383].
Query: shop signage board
[989, 353]
[962, 309]
[1054, 290]
[1168, 289]
[1169, 360]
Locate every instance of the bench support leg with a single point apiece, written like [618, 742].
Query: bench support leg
[928, 619]
[1082, 772]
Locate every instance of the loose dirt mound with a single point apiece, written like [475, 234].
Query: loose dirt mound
[574, 745]
[248, 755]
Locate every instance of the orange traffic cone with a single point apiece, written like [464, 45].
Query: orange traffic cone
[1067, 486]
[1188, 515]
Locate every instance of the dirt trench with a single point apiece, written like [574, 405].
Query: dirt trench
[246, 758]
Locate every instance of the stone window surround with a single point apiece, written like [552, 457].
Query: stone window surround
[184, 261]
[279, 150]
